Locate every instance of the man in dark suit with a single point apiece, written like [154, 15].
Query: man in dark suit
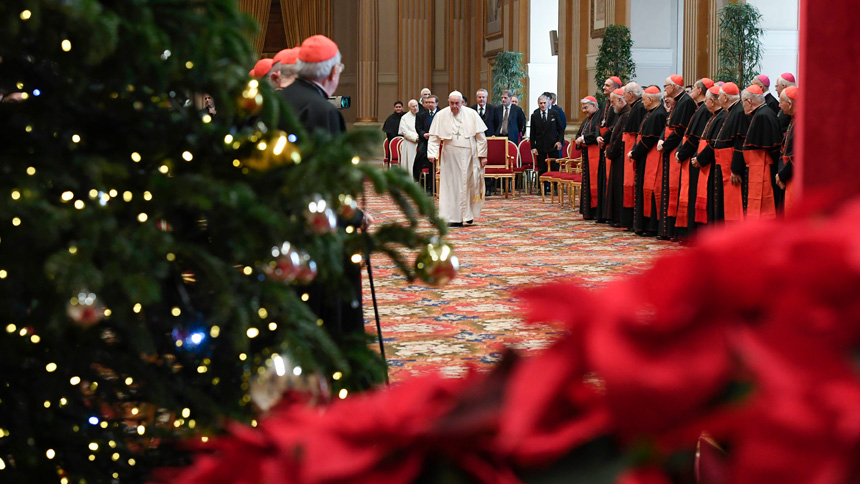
[487, 112]
[562, 117]
[547, 135]
[512, 120]
[422, 126]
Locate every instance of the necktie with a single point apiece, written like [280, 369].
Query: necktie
[481, 112]
[505, 122]
[544, 116]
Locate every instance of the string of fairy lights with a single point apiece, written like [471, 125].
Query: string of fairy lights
[262, 150]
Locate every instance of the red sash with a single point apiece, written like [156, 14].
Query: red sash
[702, 188]
[733, 202]
[684, 194]
[593, 169]
[760, 204]
[674, 180]
[790, 195]
[629, 170]
[651, 181]
[603, 131]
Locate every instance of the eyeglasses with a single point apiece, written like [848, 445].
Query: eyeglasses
[340, 67]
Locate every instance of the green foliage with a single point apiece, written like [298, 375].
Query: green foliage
[614, 58]
[124, 87]
[508, 74]
[740, 47]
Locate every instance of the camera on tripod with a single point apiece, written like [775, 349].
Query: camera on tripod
[340, 102]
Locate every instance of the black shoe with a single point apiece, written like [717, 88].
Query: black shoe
[469, 222]
[602, 221]
[455, 224]
[615, 225]
[662, 237]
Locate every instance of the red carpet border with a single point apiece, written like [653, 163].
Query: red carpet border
[515, 243]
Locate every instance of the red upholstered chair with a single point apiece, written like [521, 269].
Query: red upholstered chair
[525, 165]
[554, 177]
[571, 181]
[500, 158]
[386, 155]
[572, 151]
[394, 151]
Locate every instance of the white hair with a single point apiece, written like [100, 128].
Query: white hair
[588, 101]
[757, 98]
[657, 96]
[412, 101]
[712, 95]
[316, 71]
[635, 89]
[619, 96]
[670, 82]
[455, 94]
[545, 98]
[482, 90]
[289, 70]
[784, 83]
[732, 97]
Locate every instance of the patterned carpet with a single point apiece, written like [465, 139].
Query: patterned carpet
[515, 242]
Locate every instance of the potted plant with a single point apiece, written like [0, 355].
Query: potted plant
[614, 58]
[740, 47]
[508, 74]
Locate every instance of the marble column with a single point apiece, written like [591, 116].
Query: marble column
[415, 47]
[570, 60]
[368, 63]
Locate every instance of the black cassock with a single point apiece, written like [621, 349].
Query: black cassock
[679, 120]
[706, 158]
[732, 137]
[653, 126]
[686, 151]
[764, 134]
[772, 102]
[339, 308]
[784, 121]
[311, 105]
[392, 125]
[786, 164]
[614, 155]
[631, 132]
[591, 199]
[607, 123]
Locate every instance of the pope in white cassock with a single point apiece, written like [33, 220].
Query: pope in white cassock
[409, 146]
[460, 131]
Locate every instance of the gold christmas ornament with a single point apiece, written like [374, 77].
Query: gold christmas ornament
[436, 264]
[273, 150]
[250, 100]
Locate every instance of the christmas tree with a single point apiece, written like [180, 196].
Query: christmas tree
[153, 262]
